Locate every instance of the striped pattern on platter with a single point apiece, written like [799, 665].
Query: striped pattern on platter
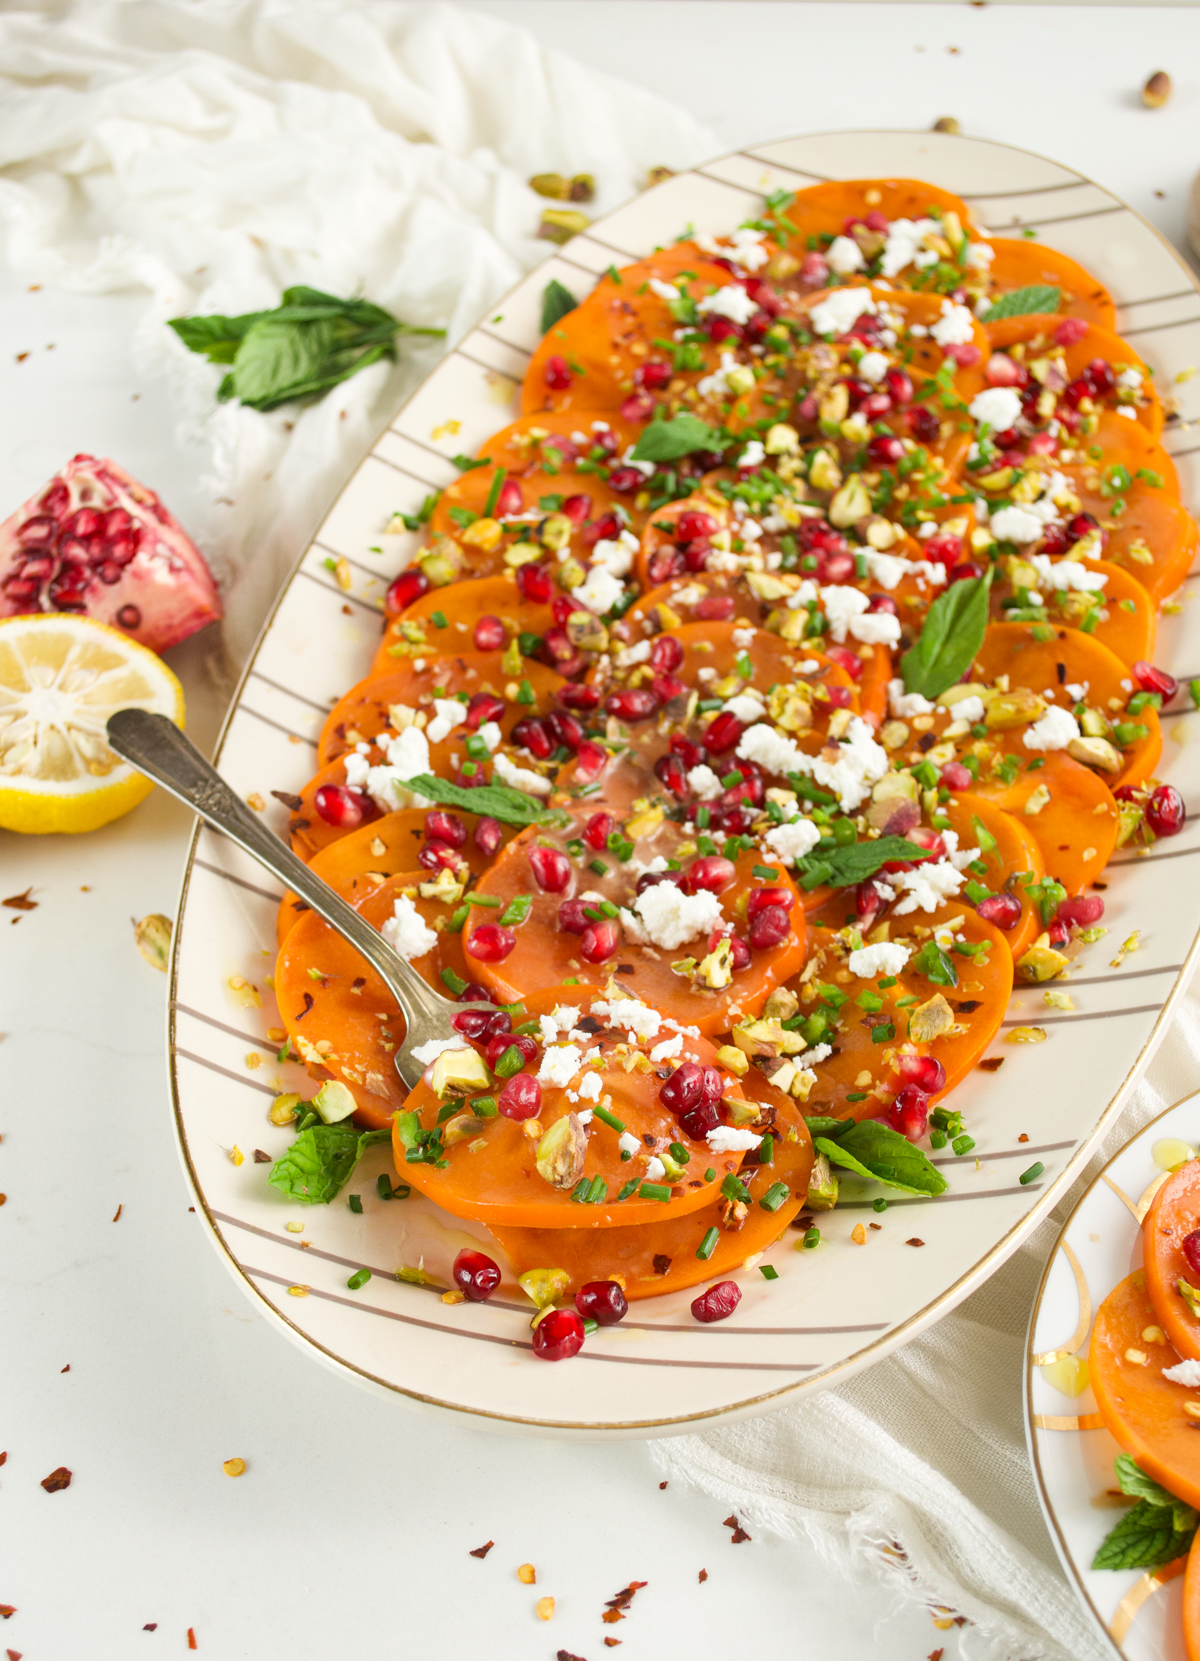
[830, 1311]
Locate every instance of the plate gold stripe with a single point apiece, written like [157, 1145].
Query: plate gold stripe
[1137, 1595]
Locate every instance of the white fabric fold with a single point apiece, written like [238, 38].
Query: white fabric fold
[212, 153]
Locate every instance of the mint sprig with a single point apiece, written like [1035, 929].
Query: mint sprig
[319, 1162]
[557, 301]
[843, 867]
[492, 801]
[875, 1150]
[1020, 302]
[668, 440]
[1157, 1529]
[955, 625]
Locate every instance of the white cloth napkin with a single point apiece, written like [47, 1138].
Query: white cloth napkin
[214, 152]
[917, 1470]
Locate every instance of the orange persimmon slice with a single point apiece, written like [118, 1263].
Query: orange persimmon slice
[1021, 264]
[1035, 331]
[1174, 1215]
[1016, 853]
[1144, 1411]
[461, 606]
[1154, 538]
[1126, 619]
[1191, 1602]
[824, 209]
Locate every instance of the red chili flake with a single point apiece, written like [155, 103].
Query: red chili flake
[612, 1643]
[60, 1478]
[261, 1158]
[308, 1003]
[739, 1533]
[150, 1626]
[65, 1369]
[7, 1609]
[914, 1242]
[482, 1551]
[661, 1264]
[13, 1654]
[1022, 1137]
[21, 356]
[615, 1608]
[991, 1063]
[936, 1655]
[662, 1485]
[117, 1213]
[703, 1576]
[288, 800]
[4, 1457]
[565, 1655]
[192, 1644]
[21, 902]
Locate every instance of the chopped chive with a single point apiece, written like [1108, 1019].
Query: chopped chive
[525, 694]
[598, 866]
[766, 1150]
[679, 1153]
[886, 982]
[708, 1245]
[448, 1111]
[590, 1326]
[439, 619]
[879, 1205]
[493, 496]
[812, 1237]
[704, 814]
[963, 1144]
[490, 900]
[457, 919]
[355, 1204]
[598, 1192]
[1032, 1174]
[484, 1107]
[710, 1174]
[401, 1191]
[608, 1118]
[517, 909]
[768, 1272]
[629, 1188]
[654, 1191]
[383, 1185]
[510, 1062]
[775, 1196]
[581, 1190]
[454, 981]
[360, 1277]
[856, 1095]
[734, 776]
[766, 873]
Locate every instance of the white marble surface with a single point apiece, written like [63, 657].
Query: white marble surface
[356, 1516]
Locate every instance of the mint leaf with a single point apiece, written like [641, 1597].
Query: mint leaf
[932, 962]
[494, 801]
[1132, 1480]
[1019, 302]
[876, 1150]
[842, 867]
[557, 301]
[821, 1125]
[954, 628]
[216, 338]
[668, 440]
[1145, 1537]
[319, 1162]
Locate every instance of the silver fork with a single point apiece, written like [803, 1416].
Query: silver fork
[156, 747]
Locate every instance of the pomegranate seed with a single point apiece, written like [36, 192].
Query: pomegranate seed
[965, 571]
[1002, 910]
[404, 589]
[1001, 370]
[695, 555]
[964, 356]
[475, 992]
[20, 589]
[955, 776]
[1058, 934]
[445, 827]
[719, 1302]
[580, 697]
[599, 941]
[489, 634]
[883, 603]
[712, 874]
[475, 1023]
[684, 1089]
[869, 902]
[693, 522]
[559, 651]
[601, 1301]
[654, 375]
[1151, 679]
[666, 655]
[489, 835]
[1082, 525]
[923, 424]
[598, 830]
[899, 385]
[521, 1097]
[84, 522]
[604, 529]
[563, 608]
[922, 836]
[759, 899]
[590, 761]
[565, 729]
[490, 943]
[714, 608]
[39, 532]
[924, 1071]
[665, 562]
[909, 1113]
[722, 328]
[551, 868]
[946, 550]
[483, 707]
[632, 703]
[858, 391]
[476, 1275]
[639, 406]
[769, 928]
[876, 406]
[1070, 331]
[437, 856]
[1191, 1250]
[1165, 812]
[556, 374]
[1099, 376]
[840, 697]
[504, 1041]
[109, 572]
[535, 582]
[666, 687]
[847, 660]
[814, 271]
[533, 735]
[808, 408]
[1042, 444]
[624, 479]
[558, 1336]
[722, 733]
[1075, 392]
[669, 771]
[884, 448]
[572, 917]
[1081, 911]
[577, 508]
[338, 805]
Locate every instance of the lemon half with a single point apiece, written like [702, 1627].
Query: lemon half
[61, 677]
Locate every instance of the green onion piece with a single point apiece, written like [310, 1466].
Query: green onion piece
[517, 910]
[766, 1150]
[598, 1192]
[590, 1326]
[454, 981]
[709, 1174]
[355, 1204]
[708, 1245]
[1193, 693]
[484, 1107]
[360, 1277]
[598, 866]
[768, 1272]
[448, 1111]
[1032, 1174]
[766, 873]
[609, 1119]
[439, 619]
[654, 1191]
[728, 780]
[383, 1185]
[937, 1138]
[489, 900]
[963, 1144]
[679, 1153]
[581, 1190]
[493, 495]
[456, 921]
[812, 1237]
[629, 1188]
[775, 1196]
[401, 1191]
[525, 694]
[704, 814]
[879, 1205]
[510, 1062]
[856, 1095]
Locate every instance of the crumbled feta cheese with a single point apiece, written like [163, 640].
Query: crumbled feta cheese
[1054, 731]
[407, 932]
[1067, 574]
[743, 247]
[426, 1053]
[926, 886]
[872, 366]
[792, 841]
[839, 310]
[628, 1143]
[357, 769]
[844, 256]
[560, 1063]
[876, 628]
[563, 1019]
[819, 1052]
[665, 291]
[448, 714]
[1077, 690]
[520, 778]
[969, 709]
[772, 750]
[979, 256]
[960, 858]
[903, 245]
[753, 455]
[904, 705]
[1130, 378]
[1184, 1372]
[732, 301]
[729, 1139]
[590, 1087]
[955, 327]
[840, 603]
[671, 918]
[668, 1048]
[704, 783]
[635, 1017]
[407, 756]
[1127, 409]
[599, 591]
[1017, 525]
[743, 639]
[996, 406]
[655, 1169]
[491, 734]
[645, 468]
[746, 706]
[886, 958]
[717, 385]
[615, 554]
[629, 655]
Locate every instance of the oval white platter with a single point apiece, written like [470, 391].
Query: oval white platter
[832, 1310]
[1072, 1452]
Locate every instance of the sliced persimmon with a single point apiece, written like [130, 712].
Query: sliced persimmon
[492, 1174]
[1018, 263]
[308, 832]
[1174, 1215]
[1121, 616]
[362, 714]
[1191, 1602]
[1154, 538]
[656, 1258]
[543, 950]
[445, 619]
[1145, 1412]
[1035, 332]
[1076, 829]
[824, 209]
[339, 1016]
[1016, 854]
